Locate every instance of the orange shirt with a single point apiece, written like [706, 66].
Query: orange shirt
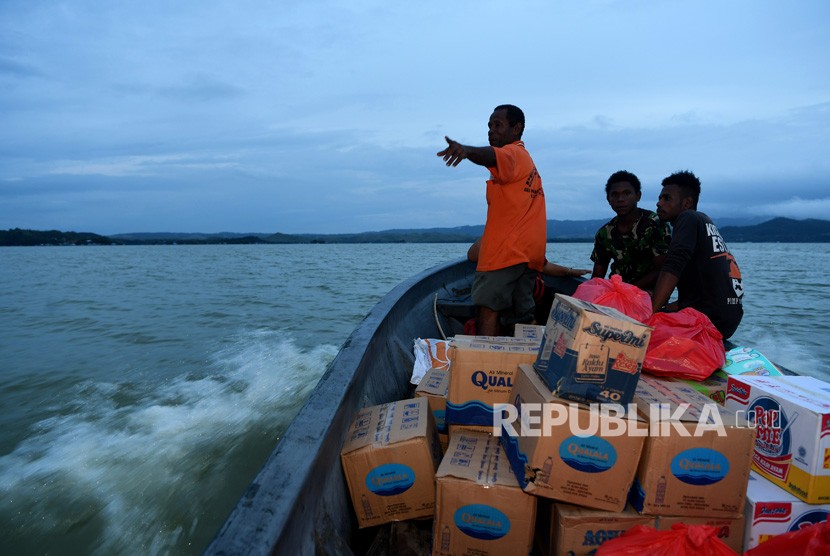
[516, 227]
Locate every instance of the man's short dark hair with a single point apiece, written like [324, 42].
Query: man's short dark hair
[687, 182]
[622, 175]
[514, 114]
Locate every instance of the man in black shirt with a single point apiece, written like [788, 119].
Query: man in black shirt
[698, 262]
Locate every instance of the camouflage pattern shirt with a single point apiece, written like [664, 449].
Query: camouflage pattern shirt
[632, 253]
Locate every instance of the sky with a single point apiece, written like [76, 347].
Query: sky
[326, 116]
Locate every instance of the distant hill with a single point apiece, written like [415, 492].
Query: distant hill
[784, 230]
[781, 230]
[20, 237]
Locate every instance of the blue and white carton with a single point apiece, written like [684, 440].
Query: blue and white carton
[479, 507]
[591, 353]
[697, 455]
[389, 459]
[568, 451]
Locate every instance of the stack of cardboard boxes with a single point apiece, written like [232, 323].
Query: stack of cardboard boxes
[555, 438]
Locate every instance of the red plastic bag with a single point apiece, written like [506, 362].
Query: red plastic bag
[684, 344]
[680, 540]
[626, 298]
[810, 540]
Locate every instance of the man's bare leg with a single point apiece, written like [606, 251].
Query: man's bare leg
[488, 322]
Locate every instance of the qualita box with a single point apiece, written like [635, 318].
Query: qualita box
[482, 376]
[772, 511]
[577, 531]
[434, 387]
[591, 352]
[479, 508]
[389, 458]
[792, 416]
[568, 451]
[697, 456]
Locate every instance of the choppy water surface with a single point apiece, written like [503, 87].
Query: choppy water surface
[143, 387]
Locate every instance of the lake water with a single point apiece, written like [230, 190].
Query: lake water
[143, 387]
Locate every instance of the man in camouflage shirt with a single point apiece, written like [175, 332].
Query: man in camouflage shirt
[635, 241]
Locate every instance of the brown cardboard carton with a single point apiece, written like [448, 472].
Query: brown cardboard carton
[434, 387]
[697, 456]
[479, 508]
[730, 529]
[482, 376]
[569, 451]
[772, 511]
[577, 531]
[792, 417]
[389, 458]
[591, 353]
[533, 332]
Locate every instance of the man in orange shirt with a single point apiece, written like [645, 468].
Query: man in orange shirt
[515, 234]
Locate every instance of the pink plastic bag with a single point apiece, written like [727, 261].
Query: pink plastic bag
[680, 540]
[626, 298]
[684, 344]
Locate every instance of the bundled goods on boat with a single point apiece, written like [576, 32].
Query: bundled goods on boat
[748, 361]
[695, 461]
[591, 353]
[481, 376]
[792, 417]
[389, 458]
[434, 387]
[560, 450]
[739, 361]
[771, 511]
[479, 507]
[429, 354]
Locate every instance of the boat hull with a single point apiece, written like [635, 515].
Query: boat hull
[299, 501]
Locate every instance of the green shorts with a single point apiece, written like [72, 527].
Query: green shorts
[507, 290]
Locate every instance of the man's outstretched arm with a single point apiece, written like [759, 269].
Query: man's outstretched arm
[456, 152]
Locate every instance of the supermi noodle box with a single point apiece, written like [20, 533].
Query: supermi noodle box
[792, 417]
[389, 459]
[591, 353]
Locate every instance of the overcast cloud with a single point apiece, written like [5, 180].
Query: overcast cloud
[325, 116]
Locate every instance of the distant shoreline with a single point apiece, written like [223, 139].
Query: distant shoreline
[776, 230]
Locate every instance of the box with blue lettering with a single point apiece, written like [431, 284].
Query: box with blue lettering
[591, 353]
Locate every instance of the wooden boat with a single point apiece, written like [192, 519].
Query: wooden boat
[299, 502]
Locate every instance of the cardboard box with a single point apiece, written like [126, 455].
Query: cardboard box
[482, 376]
[533, 332]
[697, 456]
[591, 352]
[389, 458]
[434, 386]
[479, 508]
[577, 531]
[730, 530]
[772, 511]
[792, 416]
[568, 460]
